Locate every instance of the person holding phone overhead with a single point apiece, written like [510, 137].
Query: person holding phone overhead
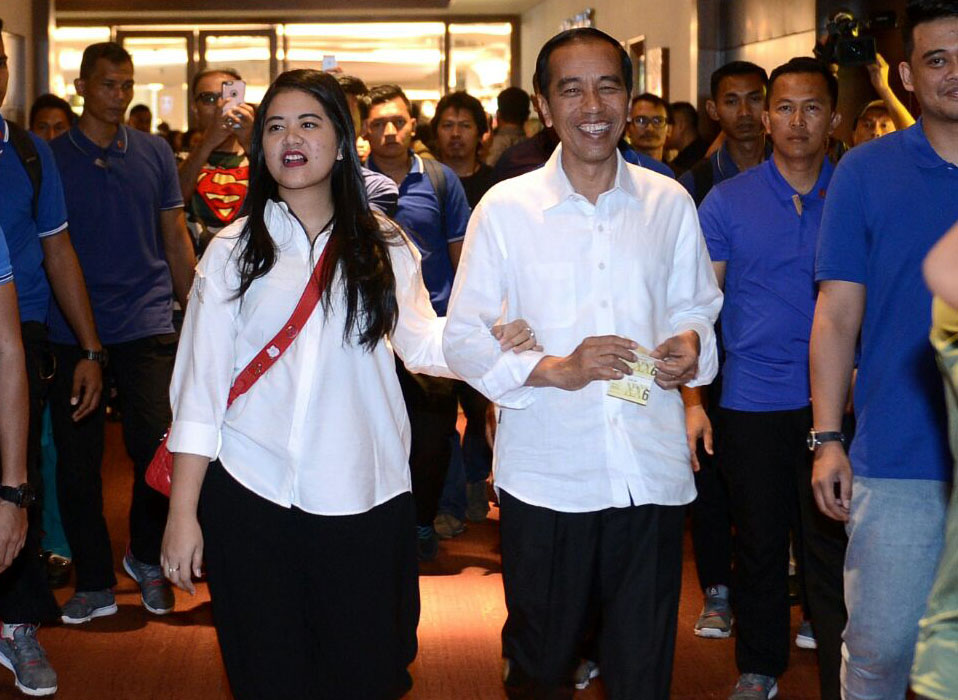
[302, 483]
[214, 174]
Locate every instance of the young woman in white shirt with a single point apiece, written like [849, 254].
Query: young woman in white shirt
[297, 495]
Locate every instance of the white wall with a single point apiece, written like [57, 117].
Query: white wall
[676, 29]
[18, 20]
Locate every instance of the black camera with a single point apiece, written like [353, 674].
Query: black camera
[848, 42]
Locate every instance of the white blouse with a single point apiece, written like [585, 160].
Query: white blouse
[325, 429]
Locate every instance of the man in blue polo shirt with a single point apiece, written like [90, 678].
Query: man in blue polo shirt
[738, 98]
[761, 229]
[437, 227]
[126, 215]
[34, 223]
[891, 199]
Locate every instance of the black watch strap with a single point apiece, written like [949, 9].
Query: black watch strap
[21, 496]
[817, 439]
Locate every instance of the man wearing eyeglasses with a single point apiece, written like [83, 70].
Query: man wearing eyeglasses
[650, 123]
[215, 175]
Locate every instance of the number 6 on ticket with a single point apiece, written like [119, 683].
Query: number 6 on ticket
[635, 387]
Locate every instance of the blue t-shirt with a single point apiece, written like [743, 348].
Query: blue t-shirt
[723, 168]
[753, 223]
[22, 231]
[6, 270]
[891, 199]
[114, 196]
[419, 215]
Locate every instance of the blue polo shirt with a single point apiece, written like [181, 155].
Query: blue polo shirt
[114, 196]
[891, 199]
[419, 215]
[752, 223]
[633, 156]
[22, 231]
[6, 270]
[723, 168]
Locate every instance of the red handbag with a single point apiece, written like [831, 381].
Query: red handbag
[159, 473]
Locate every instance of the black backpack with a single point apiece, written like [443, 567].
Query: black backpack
[30, 157]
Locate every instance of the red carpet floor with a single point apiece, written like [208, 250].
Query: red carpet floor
[134, 655]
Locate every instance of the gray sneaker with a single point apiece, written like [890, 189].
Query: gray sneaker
[477, 502]
[448, 526]
[754, 686]
[585, 673]
[85, 605]
[715, 620]
[26, 658]
[155, 591]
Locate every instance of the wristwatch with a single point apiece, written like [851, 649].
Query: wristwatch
[99, 356]
[21, 496]
[817, 439]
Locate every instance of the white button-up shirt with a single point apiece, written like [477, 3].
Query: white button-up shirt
[635, 265]
[325, 429]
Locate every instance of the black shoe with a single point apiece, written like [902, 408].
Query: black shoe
[58, 569]
[427, 543]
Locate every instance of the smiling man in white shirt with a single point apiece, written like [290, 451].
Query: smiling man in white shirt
[602, 258]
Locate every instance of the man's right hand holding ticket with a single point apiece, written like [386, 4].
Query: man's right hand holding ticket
[596, 357]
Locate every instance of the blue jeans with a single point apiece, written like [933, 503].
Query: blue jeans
[895, 536]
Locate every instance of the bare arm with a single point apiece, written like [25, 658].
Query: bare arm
[878, 74]
[69, 289]
[940, 268]
[455, 250]
[719, 269]
[181, 554]
[179, 252]
[697, 423]
[838, 319]
[13, 424]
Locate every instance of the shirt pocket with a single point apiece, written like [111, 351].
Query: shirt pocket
[552, 291]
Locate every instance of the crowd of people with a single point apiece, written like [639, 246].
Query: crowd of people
[652, 324]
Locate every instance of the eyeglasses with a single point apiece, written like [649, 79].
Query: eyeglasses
[657, 122]
[207, 98]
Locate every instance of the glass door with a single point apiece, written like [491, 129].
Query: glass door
[163, 65]
[250, 52]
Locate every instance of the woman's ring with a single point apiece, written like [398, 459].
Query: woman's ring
[172, 569]
[532, 333]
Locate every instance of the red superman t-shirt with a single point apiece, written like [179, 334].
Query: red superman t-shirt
[220, 191]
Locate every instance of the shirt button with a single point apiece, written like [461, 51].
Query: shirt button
[601, 227]
[601, 265]
[604, 304]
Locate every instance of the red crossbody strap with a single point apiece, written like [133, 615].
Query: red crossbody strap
[274, 349]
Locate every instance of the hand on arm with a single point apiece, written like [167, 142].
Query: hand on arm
[878, 74]
[697, 423]
[13, 424]
[179, 252]
[181, 554]
[596, 357]
[517, 336]
[838, 317]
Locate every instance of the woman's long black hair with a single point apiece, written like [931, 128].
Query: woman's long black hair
[359, 240]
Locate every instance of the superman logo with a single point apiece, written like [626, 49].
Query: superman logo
[223, 190]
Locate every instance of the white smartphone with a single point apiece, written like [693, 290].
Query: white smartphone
[329, 63]
[234, 94]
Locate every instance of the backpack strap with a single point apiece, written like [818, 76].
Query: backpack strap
[704, 178]
[30, 157]
[437, 178]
